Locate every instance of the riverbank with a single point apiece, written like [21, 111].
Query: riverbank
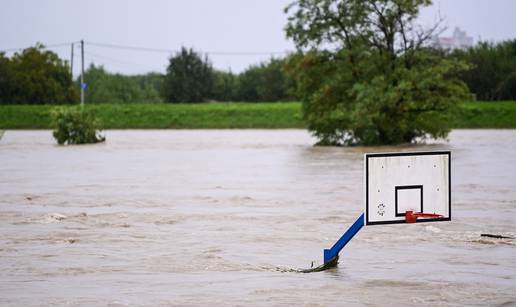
[166, 116]
[228, 115]
[492, 114]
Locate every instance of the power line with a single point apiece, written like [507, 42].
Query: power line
[113, 60]
[130, 47]
[160, 50]
[67, 44]
[150, 49]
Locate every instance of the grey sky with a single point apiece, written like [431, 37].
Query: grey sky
[206, 25]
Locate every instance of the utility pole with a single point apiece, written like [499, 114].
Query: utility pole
[71, 64]
[83, 85]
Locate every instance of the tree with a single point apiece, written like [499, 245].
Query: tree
[493, 72]
[274, 83]
[248, 83]
[224, 86]
[265, 82]
[7, 82]
[189, 78]
[36, 76]
[366, 75]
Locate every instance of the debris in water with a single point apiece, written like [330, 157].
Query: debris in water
[57, 216]
[495, 236]
[331, 264]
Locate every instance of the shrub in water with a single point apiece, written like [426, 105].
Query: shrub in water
[76, 125]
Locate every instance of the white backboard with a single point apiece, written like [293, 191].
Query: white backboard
[398, 182]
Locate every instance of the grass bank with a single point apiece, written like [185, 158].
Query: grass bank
[495, 114]
[163, 116]
[228, 115]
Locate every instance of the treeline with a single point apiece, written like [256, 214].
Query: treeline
[106, 87]
[492, 75]
[39, 76]
[192, 78]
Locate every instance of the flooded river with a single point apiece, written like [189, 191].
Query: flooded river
[219, 217]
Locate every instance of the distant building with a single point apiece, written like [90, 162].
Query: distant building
[459, 40]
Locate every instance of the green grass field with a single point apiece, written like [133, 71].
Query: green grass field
[228, 115]
[164, 116]
[498, 114]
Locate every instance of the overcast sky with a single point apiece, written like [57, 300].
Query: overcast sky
[216, 26]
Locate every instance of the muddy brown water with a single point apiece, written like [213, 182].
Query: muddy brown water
[219, 217]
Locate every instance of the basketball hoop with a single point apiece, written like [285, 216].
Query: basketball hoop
[399, 189]
[409, 181]
[411, 216]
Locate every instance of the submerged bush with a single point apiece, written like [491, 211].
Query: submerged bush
[76, 125]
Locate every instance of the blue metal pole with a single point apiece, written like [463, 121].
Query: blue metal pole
[333, 252]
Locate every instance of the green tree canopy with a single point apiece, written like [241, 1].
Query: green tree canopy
[225, 85]
[106, 87]
[35, 76]
[493, 73]
[76, 125]
[189, 78]
[265, 82]
[365, 73]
